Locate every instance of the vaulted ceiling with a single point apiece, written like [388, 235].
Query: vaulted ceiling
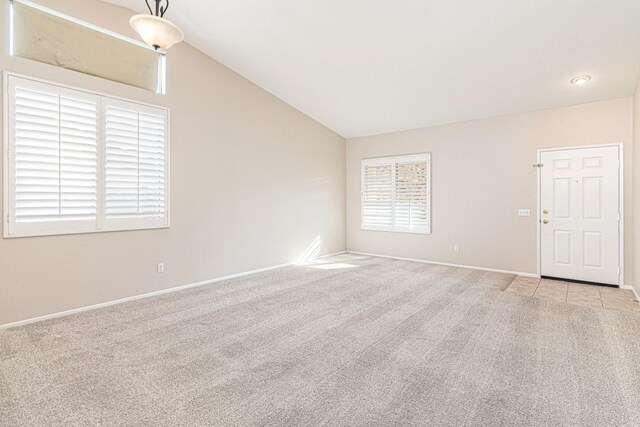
[365, 67]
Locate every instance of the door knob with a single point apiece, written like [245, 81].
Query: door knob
[545, 221]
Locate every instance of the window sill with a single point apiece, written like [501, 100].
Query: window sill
[386, 230]
[6, 235]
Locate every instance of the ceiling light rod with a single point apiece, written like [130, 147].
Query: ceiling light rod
[160, 10]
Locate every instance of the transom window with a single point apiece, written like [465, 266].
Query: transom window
[396, 193]
[82, 162]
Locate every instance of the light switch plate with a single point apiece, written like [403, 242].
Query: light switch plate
[524, 212]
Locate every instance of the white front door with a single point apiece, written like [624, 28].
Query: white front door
[580, 214]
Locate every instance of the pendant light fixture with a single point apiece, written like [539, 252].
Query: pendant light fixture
[156, 31]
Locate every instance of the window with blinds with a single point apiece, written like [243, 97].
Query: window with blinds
[396, 194]
[81, 162]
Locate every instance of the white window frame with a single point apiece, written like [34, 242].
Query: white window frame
[393, 160]
[12, 229]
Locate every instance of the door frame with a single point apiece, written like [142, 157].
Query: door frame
[620, 202]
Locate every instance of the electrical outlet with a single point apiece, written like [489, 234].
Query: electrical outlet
[161, 267]
[524, 212]
[456, 248]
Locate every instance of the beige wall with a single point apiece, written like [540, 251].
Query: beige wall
[253, 183]
[636, 189]
[482, 173]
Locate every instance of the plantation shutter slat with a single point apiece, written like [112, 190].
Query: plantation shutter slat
[135, 162]
[55, 155]
[396, 194]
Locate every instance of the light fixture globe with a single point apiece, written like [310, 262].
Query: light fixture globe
[156, 31]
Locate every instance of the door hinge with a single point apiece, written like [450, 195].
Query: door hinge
[538, 165]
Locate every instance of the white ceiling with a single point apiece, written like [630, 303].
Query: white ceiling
[365, 67]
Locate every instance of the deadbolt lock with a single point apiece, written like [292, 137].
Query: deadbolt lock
[545, 211]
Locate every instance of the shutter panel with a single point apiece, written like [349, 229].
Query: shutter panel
[377, 199]
[37, 156]
[121, 162]
[135, 161]
[78, 159]
[55, 157]
[411, 195]
[151, 171]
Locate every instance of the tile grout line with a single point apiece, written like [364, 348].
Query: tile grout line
[600, 294]
[601, 297]
[536, 289]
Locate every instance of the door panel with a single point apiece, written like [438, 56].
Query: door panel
[562, 247]
[562, 197]
[592, 250]
[591, 197]
[579, 202]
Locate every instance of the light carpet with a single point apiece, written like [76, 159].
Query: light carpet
[353, 341]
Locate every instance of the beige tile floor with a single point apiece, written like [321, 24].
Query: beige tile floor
[575, 293]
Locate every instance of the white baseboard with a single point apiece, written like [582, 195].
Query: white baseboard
[472, 267]
[147, 295]
[333, 254]
[247, 273]
[135, 297]
[632, 289]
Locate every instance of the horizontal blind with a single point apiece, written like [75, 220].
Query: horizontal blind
[55, 143]
[135, 161]
[377, 197]
[411, 194]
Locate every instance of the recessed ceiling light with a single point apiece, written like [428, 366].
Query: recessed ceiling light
[580, 80]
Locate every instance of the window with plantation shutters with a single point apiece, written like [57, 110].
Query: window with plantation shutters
[396, 194]
[81, 162]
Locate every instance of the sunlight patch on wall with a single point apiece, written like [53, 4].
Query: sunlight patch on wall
[311, 253]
